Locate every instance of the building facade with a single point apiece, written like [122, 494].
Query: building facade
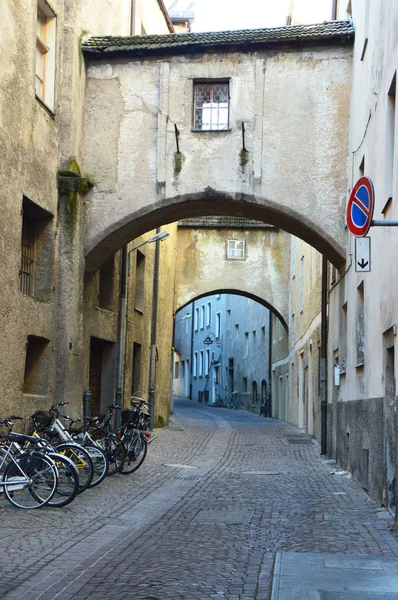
[225, 337]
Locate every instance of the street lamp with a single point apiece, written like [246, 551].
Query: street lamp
[160, 235]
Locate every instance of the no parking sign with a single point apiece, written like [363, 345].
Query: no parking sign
[360, 207]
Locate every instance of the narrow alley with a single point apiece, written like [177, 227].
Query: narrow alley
[222, 496]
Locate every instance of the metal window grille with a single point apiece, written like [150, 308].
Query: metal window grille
[27, 254]
[211, 106]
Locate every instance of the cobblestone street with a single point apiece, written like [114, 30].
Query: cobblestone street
[220, 493]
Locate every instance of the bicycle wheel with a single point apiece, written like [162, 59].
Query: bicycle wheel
[137, 448]
[68, 480]
[114, 450]
[82, 461]
[32, 480]
[100, 464]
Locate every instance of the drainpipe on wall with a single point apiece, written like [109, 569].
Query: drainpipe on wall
[324, 333]
[270, 358]
[121, 333]
[191, 361]
[334, 10]
[132, 17]
[152, 365]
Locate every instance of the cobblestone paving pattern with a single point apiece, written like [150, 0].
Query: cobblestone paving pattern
[94, 549]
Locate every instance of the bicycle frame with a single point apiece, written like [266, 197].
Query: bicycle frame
[18, 482]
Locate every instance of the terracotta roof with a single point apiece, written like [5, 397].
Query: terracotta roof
[245, 39]
[222, 222]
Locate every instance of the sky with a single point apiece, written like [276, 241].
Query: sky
[218, 15]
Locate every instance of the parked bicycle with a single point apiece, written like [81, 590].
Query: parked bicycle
[232, 401]
[135, 435]
[27, 478]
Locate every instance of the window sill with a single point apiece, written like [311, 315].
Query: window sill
[211, 130]
[360, 365]
[138, 310]
[50, 111]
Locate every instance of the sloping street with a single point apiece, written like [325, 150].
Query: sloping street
[221, 495]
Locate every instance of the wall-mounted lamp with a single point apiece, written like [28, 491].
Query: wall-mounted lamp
[158, 237]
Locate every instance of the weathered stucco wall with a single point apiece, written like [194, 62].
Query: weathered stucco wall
[202, 266]
[295, 107]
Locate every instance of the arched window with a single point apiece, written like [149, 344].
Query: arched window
[254, 392]
[263, 391]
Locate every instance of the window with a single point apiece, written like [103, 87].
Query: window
[207, 363]
[27, 254]
[202, 316]
[208, 314]
[201, 359]
[254, 392]
[195, 365]
[228, 318]
[139, 294]
[211, 106]
[218, 325]
[136, 369]
[196, 319]
[236, 330]
[391, 118]
[45, 53]
[176, 369]
[246, 344]
[182, 369]
[107, 296]
[37, 365]
[37, 247]
[236, 249]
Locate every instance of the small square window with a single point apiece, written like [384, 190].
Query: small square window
[236, 249]
[211, 106]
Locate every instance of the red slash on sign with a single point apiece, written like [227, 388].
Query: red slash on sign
[360, 207]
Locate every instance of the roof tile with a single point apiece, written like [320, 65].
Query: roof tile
[171, 43]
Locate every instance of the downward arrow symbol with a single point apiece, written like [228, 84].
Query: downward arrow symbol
[362, 264]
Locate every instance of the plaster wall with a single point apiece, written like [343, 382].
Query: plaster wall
[363, 306]
[28, 163]
[281, 96]
[203, 267]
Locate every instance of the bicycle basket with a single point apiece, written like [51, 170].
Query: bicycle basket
[130, 416]
[42, 418]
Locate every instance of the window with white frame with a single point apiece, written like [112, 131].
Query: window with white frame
[208, 315]
[200, 368]
[207, 362]
[236, 249]
[202, 316]
[196, 319]
[211, 105]
[45, 54]
[195, 365]
[246, 350]
[218, 325]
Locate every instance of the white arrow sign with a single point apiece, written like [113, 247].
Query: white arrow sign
[362, 255]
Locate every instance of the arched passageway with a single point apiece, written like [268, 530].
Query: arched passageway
[279, 157]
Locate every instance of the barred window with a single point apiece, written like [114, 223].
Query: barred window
[27, 254]
[211, 106]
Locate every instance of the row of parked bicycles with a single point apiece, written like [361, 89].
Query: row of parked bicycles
[62, 456]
